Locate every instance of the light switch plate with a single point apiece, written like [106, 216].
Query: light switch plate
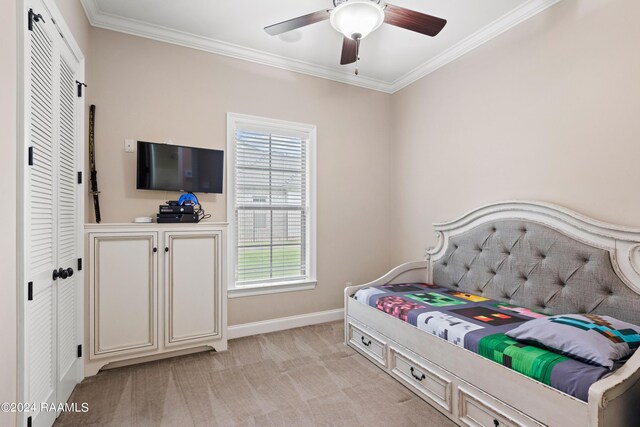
[130, 145]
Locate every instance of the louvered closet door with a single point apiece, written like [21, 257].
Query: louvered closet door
[52, 219]
[41, 228]
[68, 225]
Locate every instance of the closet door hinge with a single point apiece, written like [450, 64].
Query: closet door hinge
[79, 264]
[30, 156]
[80, 350]
[33, 17]
[79, 177]
[80, 84]
[30, 291]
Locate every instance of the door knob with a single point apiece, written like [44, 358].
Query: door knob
[62, 273]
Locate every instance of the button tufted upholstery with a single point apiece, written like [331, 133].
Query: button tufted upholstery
[531, 265]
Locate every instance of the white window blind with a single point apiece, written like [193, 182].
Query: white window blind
[271, 206]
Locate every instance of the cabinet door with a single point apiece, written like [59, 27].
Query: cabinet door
[192, 287]
[123, 292]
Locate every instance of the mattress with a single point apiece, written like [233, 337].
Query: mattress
[479, 324]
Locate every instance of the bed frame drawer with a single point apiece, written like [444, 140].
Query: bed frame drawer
[422, 376]
[372, 346]
[477, 408]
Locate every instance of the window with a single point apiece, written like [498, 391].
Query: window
[271, 205]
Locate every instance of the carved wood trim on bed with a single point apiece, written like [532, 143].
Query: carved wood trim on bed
[536, 255]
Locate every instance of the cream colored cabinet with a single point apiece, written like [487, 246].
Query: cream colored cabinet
[123, 293]
[155, 290]
[192, 276]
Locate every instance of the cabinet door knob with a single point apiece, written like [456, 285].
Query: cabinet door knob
[62, 273]
[70, 271]
[55, 274]
[155, 250]
[166, 249]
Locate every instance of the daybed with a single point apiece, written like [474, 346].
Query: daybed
[534, 255]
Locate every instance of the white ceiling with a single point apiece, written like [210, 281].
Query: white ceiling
[391, 57]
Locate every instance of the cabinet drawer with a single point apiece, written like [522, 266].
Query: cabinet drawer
[424, 377]
[479, 409]
[373, 347]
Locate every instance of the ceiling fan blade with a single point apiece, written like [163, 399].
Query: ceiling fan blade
[300, 21]
[349, 51]
[412, 20]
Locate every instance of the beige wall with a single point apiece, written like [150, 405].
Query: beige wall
[548, 111]
[154, 91]
[8, 329]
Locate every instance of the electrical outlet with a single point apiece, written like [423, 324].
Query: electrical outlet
[130, 145]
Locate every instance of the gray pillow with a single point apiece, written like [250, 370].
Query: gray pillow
[599, 340]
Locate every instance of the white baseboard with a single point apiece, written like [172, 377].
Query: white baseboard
[283, 323]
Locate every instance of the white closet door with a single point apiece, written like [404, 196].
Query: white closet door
[68, 226]
[52, 219]
[41, 227]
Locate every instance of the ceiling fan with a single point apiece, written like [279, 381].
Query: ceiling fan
[356, 19]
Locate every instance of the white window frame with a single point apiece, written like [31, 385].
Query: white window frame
[235, 121]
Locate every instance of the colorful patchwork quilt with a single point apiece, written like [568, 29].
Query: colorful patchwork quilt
[479, 324]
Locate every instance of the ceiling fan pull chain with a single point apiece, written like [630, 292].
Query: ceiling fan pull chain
[357, 53]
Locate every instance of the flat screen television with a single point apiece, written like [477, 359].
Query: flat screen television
[177, 168]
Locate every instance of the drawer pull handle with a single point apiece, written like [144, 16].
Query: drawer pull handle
[496, 422]
[367, 343]
[418, 377]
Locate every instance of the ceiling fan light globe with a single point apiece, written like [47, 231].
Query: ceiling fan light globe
[357, 17]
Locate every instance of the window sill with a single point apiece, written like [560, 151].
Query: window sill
[272, 288]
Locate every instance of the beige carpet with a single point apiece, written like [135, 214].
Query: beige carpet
[300, 377]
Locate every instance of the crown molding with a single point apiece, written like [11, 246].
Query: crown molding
[497, 27]
[134, 27]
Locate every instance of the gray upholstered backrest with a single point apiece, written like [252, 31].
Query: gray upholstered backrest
[531, 265]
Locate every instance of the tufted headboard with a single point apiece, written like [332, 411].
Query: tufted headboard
[542, 257]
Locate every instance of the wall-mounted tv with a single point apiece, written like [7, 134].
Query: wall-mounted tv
[177, 168]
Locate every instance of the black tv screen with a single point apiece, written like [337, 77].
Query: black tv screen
[177, 168]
